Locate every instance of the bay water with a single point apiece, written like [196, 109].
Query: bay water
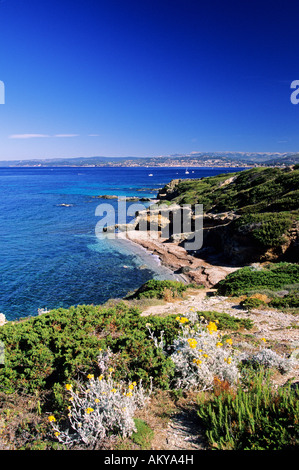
[50, 256]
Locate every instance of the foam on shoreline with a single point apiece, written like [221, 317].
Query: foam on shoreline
[144, 257]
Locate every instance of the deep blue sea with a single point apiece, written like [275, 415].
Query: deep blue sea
[50, 256]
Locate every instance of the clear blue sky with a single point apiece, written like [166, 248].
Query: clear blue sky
[147, 77]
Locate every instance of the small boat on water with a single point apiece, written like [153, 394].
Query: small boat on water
[150, 174]
[186, 172]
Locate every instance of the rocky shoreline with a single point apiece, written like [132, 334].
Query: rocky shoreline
[176, 258]
[154, 229]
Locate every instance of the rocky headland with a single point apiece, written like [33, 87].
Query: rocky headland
[249, 217]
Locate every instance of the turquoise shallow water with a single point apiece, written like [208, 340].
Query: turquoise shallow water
[49, 253]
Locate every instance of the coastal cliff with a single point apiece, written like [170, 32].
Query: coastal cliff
[249, 217]
[252, 216]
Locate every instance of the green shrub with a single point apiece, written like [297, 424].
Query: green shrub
[256, 417]
[158, 289]
[252, 302]
[45, 351]
[288, 301]
[273, 277]
[268, 229]
[226, 321]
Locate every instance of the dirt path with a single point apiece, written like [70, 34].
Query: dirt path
[182, 433]
[271, 324]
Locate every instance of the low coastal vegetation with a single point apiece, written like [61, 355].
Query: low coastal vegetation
[83, 377]
[273, 285]
[155, 289]
[255, 416]
[274, 277]
[256, 190]
[80, 378]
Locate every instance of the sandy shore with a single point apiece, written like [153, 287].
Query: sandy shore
[174, 257]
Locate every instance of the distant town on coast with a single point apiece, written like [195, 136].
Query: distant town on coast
[194, 159]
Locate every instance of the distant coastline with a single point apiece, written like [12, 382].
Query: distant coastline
[194, 159]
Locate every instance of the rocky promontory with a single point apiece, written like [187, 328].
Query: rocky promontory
[249, 217]
[252, 216]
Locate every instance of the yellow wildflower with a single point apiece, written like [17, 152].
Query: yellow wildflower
[205, 355]
[90, 376]
[219, 344]
[131, 387]
[134, 383]
[56, 433]
[113, 390]
[111, 369]
[101, 377]
[51, 418]
[212, 327]
[264, 339]
[229, 341]
[89, 410]
[97, 400]
[129, 394]
[182, 319]
[68, 386]
[197, 361]
[192, 343]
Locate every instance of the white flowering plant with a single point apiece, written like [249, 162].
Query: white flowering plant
[100, 409]
[270, 359]
[200, 355]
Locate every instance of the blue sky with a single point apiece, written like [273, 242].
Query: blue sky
[147, 78]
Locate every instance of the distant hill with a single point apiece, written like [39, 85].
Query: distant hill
[208, 159]
[76, 161]
[286, 160]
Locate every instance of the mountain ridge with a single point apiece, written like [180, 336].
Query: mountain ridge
[226, 158]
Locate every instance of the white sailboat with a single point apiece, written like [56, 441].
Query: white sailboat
[186, 172]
